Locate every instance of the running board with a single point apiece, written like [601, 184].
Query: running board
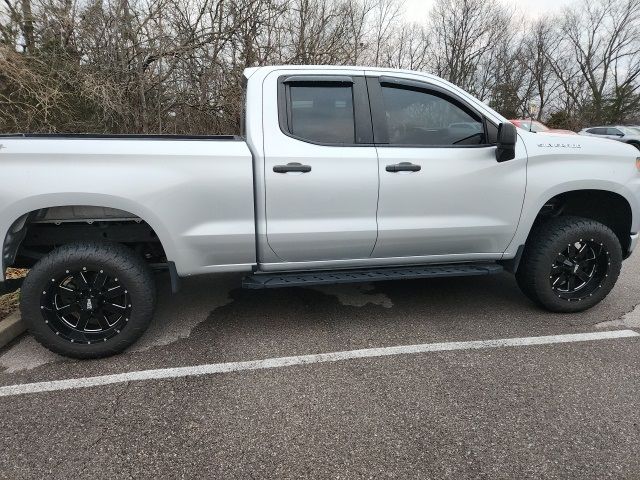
[301, 279]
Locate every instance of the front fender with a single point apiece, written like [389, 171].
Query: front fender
[533, 206]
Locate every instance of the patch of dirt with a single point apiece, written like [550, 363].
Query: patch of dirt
[9, 302]
[12, 273]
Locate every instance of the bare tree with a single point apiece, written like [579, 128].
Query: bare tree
[467, 36]
[603, 39]
[536, 47]
[176, 65]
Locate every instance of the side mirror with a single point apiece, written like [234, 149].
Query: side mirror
[507, 136]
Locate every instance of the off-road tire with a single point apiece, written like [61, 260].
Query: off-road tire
[121, 263]
[546, 241]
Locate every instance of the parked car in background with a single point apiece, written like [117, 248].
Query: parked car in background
[630, 135]
[537, 127]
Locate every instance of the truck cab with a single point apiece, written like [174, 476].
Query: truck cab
[378, 167]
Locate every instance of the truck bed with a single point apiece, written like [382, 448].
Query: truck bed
[106, 136]
[195, 192]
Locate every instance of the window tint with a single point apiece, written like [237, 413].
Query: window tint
[322, 114]
[422, 118]
[613, 131]
[598, 131]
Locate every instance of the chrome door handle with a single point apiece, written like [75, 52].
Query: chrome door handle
[292, 167]
[404, 167]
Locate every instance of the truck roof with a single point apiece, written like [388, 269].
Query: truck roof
[263, 72]
[250, 71]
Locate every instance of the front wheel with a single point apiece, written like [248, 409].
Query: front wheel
[88, 300]
[569, 264]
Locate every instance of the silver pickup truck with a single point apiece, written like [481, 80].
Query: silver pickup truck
[341, 175]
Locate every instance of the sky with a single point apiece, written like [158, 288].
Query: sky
[416, 10]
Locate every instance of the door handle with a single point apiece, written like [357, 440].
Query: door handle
[292, 167]
[404, 167]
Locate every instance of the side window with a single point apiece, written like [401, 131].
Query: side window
[614, 131]
[598, 131]
[321, 114]
[427, 119]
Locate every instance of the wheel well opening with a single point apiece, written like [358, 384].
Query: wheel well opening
[36, 233]
[608, 208]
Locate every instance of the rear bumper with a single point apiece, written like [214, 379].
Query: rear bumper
[632, 244]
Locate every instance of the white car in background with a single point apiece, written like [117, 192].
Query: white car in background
[630, 135]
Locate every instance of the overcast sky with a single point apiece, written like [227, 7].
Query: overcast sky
[416, 10]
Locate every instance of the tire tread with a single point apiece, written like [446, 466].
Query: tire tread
[119, 257]
[541, 241]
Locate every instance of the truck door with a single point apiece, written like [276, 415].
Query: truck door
[442, 192]
[321, 168]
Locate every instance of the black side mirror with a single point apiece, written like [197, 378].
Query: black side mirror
[507, 136]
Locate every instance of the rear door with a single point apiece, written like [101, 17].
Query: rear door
[321, 168]
[442, 192]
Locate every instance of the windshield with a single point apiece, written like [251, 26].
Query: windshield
[534, 126]
[629, 130]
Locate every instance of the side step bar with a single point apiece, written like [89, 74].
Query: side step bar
[301, 279]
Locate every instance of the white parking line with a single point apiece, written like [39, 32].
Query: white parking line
[209, 369]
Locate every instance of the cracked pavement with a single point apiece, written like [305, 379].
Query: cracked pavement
[552, 411]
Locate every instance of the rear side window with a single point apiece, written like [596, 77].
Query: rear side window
[322, 114]
[423, 118]
[597, 131]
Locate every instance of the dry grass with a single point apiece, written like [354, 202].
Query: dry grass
[9, 302]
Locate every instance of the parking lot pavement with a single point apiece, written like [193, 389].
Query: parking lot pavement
[563, 410]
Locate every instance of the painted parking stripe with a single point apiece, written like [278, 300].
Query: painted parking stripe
[209, 369]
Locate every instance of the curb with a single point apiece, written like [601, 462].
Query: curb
[10, 328]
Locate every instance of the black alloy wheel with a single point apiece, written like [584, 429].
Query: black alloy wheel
[569, 264]
[578, 271]
[86, 305]
[88, 299]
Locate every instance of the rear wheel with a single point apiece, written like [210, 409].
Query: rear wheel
[88, 300]
[569, 264]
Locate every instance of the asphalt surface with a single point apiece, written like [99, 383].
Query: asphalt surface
[548, 411]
